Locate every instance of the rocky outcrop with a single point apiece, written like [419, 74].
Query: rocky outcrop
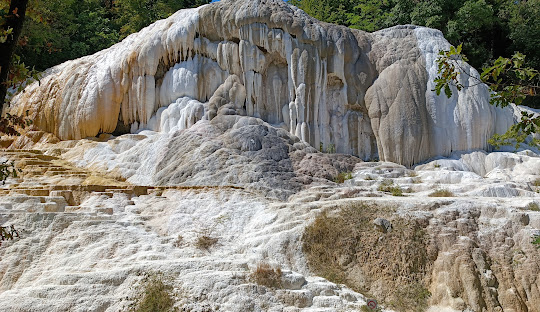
[86, 240]
[363, 94]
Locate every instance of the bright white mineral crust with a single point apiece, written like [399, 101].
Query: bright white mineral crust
[245, 93]
[364, 94]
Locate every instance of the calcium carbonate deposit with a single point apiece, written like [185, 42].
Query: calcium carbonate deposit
[209, 143]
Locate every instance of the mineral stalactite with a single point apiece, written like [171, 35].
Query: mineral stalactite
[365, 94]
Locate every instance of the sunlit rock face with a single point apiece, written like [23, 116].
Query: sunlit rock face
[368, 95]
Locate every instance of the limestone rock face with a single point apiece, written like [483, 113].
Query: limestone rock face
[363, 94]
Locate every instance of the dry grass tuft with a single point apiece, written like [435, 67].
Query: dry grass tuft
[441, 193]
[205, 242]
[179, 241]
[532, 206]
[266, 275]
[155, 294]
[344, 248]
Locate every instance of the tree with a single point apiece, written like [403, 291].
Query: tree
[67, 29]
[486, 28]
[11, 24]
[370, 15]
[331, 11]
[12, 70]
[133, 15]
[509, 81]
[70, 29]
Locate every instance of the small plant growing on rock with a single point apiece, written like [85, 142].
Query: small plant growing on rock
[441, 193]
[536, 240]
[206, 238]
[8, 233]
[365, 308]
[7, 169]
[205, 242]
[385, 185]
[179, 241]
[342, 177]
[266, 275]
[331, 149]
[413, 296]
[536, 184]
[388, 186]
[437, 165]
[397, 191]
[154, 293]
[532, 206]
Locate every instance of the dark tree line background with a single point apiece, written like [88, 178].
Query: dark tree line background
[68, 29]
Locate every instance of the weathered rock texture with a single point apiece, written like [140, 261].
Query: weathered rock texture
[363, 94]
[86, 240]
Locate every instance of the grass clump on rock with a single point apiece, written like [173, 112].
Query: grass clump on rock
[154, 294]
[266, 275]
[441, 193]
[342, 177]
[205, 242]
[388, 186]
[532, 206]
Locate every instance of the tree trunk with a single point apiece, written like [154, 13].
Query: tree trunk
[14, 20]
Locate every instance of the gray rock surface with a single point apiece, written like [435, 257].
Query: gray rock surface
[382, 225]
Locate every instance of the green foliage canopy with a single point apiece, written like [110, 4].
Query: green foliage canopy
[487, 28]
[69, 29]
[510, 82]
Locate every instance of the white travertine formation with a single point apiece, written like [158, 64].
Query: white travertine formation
[364, 94]
[472, 248]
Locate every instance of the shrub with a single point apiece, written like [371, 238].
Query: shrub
[385, 185]
[397, 191]
[441, 193]
[342, 177]
[7, 169]
[331, 149]
[536, 241]
[8, 233]
[266, 275]
[205, 242]
[533, 206]
[388, 186]
[412, 297]
[155, 294]
[365, 308]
